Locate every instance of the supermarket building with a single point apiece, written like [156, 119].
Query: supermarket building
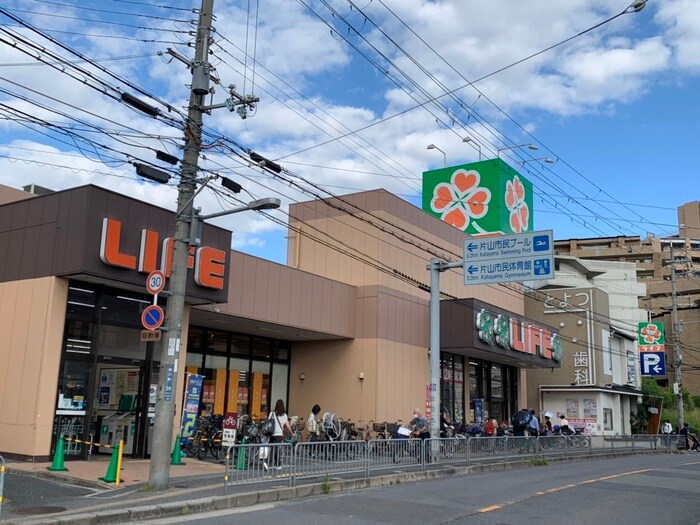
[344, 324]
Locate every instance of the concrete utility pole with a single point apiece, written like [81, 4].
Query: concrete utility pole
[159, 473]
[677, 357]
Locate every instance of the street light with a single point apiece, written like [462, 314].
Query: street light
[474, 143]
[546, 160]
[528, 146]
[268, 203]
[444, 157]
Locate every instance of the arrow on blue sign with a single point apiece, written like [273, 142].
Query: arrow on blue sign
[472, 270]
[653, 363]
[472, 246]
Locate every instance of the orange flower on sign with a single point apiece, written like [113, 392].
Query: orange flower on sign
[515, 202]
[651, 334]
[461, 200]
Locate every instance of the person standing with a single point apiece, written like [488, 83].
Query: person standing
[667, 430]
[312, 424]
[282, 426]
[520, 422]
[533, 426]
[420, 427]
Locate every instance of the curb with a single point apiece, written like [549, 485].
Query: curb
[60, 478]
[246, 499]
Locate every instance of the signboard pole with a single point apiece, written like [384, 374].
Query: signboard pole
[436, 266]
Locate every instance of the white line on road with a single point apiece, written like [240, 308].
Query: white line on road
[208, 515]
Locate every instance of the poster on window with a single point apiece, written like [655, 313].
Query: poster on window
[572, 408]
[590, 408]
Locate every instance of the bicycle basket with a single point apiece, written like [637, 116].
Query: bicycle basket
[378, 427]
[392, 428]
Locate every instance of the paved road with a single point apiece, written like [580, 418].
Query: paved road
[638, 490]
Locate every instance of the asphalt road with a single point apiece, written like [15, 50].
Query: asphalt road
[637, 490]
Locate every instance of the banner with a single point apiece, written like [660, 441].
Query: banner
[190, 407]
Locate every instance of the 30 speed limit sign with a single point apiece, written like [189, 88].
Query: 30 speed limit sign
[155, 282]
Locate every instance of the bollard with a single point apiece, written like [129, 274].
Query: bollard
[2, 481]
[57, 463]
[176, 456]
[119, 461]
[240, 458]
[112, 470]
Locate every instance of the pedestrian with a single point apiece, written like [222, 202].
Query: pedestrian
[533, 426]
[490, 427]
[667, 430]
[419, 426]
[520, 421]
[282, 427]
[547, 425]
[312, 425]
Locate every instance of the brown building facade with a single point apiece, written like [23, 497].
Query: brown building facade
[344, 324]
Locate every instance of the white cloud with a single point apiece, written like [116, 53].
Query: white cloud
[681, 19]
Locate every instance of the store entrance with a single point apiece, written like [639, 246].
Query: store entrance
[107, 383]
[124, 405]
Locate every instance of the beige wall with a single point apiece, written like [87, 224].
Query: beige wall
[8, 194]
[32, 317]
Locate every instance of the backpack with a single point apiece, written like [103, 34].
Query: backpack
[489, 428]
[521, 418]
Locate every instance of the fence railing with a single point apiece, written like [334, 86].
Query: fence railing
[286, 463]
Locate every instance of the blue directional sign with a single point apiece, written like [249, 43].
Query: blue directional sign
[509, 258]
[653, 363]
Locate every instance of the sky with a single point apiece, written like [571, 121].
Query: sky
[351, 93]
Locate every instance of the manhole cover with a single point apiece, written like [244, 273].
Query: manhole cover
[46, 509]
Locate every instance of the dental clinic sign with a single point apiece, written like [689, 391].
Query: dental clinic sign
[487, 197]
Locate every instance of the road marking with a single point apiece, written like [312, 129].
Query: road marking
[492, 507]
[212, 514]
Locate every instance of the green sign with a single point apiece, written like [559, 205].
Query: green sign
[651, 334]
[480, 198]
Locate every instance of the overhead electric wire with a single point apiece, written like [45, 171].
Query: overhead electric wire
[129, 14]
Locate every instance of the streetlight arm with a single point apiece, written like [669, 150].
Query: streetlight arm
[268, 203]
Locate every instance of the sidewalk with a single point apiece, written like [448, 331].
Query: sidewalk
[134, 471]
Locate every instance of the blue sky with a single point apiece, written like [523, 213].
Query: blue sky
[617, 107]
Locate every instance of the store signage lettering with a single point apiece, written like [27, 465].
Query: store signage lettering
[568, 300]
[517, 335]
[208, 263]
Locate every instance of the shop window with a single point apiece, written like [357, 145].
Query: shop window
[262, 348]
[240, 345]
[77, 336]
[278, 389]
[72, 387]
[214, 386]
[474, 380]
[193, 362]
[123, 310]
[217, 341]
[195, 340]
[260, 389]
[119, 342]
[607, 419]
[237, 386]
[81, 304]
[281, 351]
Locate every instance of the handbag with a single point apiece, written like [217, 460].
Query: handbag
[268, 427]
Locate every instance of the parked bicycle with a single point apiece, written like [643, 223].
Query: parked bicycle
[207, 438]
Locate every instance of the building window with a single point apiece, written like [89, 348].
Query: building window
[607, 419]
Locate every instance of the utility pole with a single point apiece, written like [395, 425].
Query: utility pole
[677, 357]
[159, 472]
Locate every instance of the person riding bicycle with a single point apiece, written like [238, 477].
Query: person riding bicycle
[564, 425]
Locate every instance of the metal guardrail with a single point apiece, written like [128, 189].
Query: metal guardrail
[282, 462]
[2, 481]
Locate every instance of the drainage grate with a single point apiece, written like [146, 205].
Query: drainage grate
[46, 509]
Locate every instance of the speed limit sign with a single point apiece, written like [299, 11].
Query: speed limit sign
[155, 282]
